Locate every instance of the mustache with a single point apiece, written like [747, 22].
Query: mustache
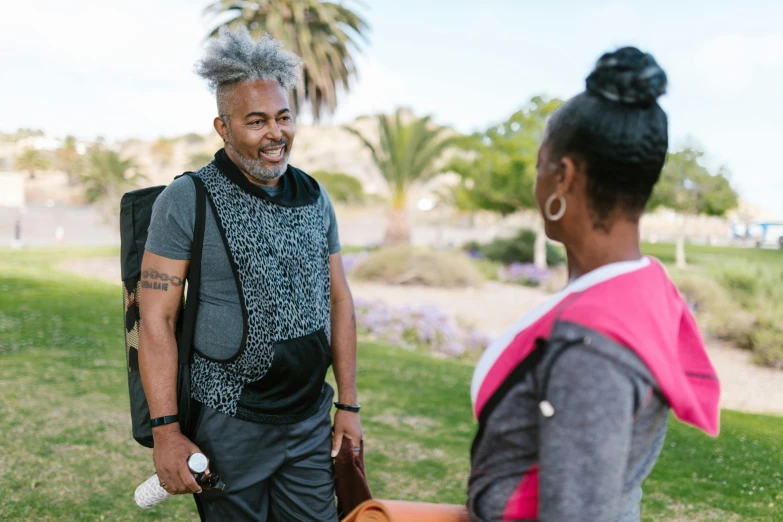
[273, 145]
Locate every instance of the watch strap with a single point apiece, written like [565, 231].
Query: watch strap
[162, 421]
[347, 407]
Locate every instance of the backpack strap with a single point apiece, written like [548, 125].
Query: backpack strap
[194, 273]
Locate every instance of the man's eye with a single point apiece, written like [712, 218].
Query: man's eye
[256, 122]
[286, 118]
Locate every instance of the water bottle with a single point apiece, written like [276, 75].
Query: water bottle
[150, 494]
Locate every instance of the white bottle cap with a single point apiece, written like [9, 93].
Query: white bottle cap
[198, 463]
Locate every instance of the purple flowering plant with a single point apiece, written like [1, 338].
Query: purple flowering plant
[413, 327]
[526, 274]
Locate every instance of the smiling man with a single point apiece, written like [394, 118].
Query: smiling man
[275, 310]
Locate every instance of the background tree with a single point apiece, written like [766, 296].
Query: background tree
[193, 138]
[406, 153]
[163, 150]
[106, 177]
[198, 160]
[324, 34]
[20, 134]
[498, 172]
[689, 188]
[70, 161]
[32, 160]
[341, 187]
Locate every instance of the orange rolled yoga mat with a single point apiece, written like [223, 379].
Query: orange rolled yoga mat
[399, 511]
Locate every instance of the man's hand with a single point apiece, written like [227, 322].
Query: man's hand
[346, 424]
[170, 456]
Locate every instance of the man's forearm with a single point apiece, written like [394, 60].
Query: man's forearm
[344, 350]
[158, 356]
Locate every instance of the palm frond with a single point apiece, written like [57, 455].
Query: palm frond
[407, 150]
[326, 35]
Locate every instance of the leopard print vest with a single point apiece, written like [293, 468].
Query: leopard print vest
[280, 259]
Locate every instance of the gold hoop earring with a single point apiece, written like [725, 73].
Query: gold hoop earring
[548, 208]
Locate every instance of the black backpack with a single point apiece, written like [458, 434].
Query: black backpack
[135, 214]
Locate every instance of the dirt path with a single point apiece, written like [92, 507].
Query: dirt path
[746, 387]
[490, 309]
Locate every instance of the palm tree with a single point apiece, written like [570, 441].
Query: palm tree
[324, 34]
[107, 176]
[32, 160]
[69, 160]
[406, 153]
[163, 150]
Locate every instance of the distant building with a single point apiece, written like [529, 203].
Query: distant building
[39, 143]
[12, 190]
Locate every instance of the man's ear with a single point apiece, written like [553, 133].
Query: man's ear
[221, 127]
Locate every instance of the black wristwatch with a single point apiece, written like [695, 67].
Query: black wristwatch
[162, 421]
[346, 407]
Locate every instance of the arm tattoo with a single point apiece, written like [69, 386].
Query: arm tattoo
[163, 280]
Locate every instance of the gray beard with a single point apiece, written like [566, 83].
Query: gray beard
[256, 168]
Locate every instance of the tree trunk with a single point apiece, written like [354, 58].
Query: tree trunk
[398, 231]
[539, 251]
[679, 253]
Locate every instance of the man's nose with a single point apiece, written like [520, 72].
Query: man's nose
[274, 133]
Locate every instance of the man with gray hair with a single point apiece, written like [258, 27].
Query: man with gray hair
[275, 310]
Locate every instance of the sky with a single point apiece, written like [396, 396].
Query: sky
[125, 69]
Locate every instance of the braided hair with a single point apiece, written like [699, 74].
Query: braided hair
[617, 130]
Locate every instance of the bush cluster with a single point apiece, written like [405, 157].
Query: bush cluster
[409, 265]
[517, 249]
[741, 303]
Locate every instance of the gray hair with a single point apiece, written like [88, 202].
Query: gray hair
[235, 57]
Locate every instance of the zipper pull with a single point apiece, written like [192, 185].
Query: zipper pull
[547, 410]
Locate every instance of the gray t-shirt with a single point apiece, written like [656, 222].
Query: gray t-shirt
[170, 234]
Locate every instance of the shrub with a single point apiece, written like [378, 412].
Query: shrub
[717, 313]
[353, 259]
[556, 281]
[491, 270]
[525, 274]
[767, 338]
[517, 249]
[741, 280]
[341, 187]
[756, 289]
[408, 265]
[417, 327]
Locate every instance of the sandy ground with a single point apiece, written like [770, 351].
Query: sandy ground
[490, 309]
[495, 306]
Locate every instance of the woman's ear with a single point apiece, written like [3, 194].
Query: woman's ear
[566, 175]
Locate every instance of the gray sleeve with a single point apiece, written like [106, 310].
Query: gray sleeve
[170, 233]
[330, 220]
[585, 444]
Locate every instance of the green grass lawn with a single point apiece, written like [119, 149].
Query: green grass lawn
[704, 255]
[66, 452]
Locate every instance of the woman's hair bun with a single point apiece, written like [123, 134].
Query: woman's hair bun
[627, 76]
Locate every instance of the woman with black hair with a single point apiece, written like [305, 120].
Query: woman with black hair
[573, 400]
